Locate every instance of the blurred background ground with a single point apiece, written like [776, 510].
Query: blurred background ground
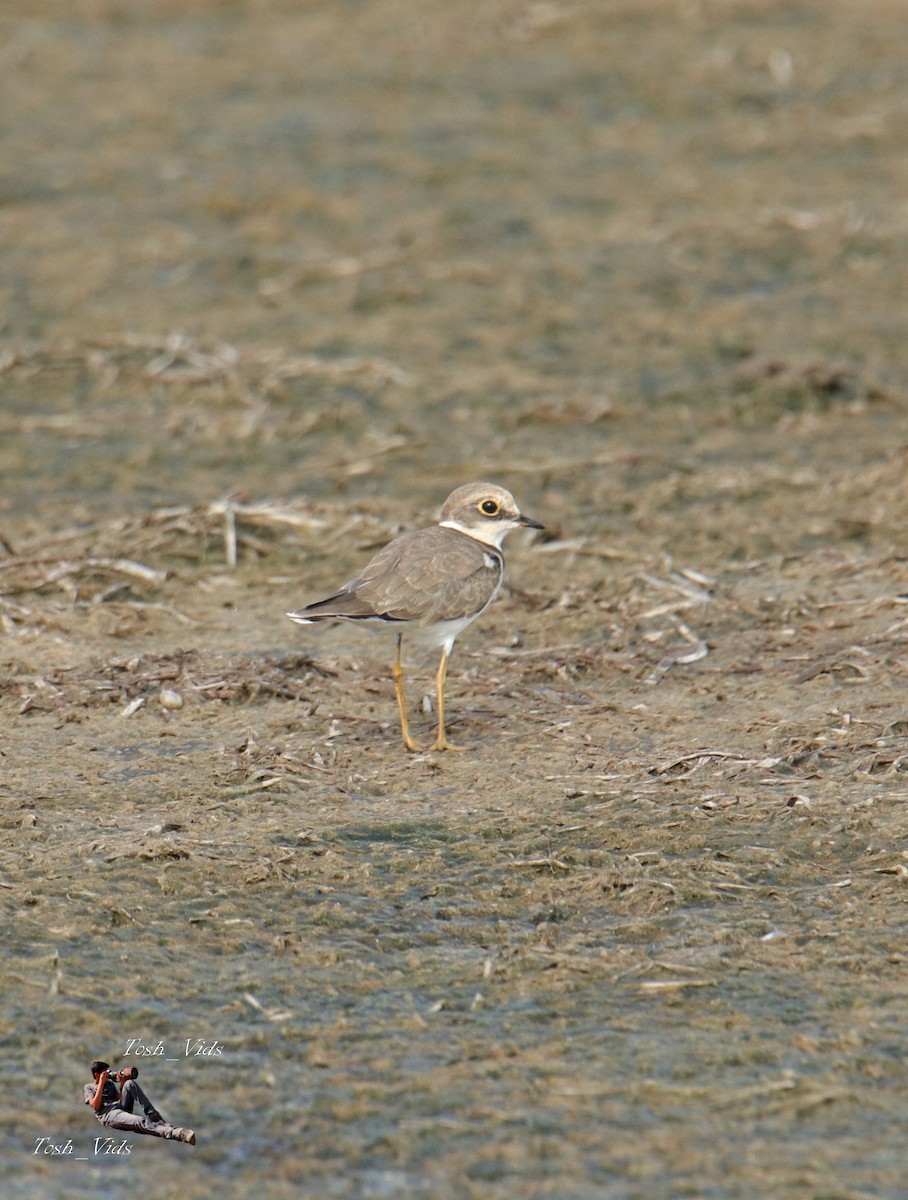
[276, 277]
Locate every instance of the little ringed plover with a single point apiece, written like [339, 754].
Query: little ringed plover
[433, 582]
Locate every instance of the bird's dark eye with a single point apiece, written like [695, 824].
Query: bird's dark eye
[489, 507]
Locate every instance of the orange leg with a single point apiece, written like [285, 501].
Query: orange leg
[441, 739]
[398, 672]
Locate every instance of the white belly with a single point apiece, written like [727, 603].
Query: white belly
[442, 634]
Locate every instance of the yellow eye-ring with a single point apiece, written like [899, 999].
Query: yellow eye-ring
[489, 507]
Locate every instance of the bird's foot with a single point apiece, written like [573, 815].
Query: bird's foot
[442, 743]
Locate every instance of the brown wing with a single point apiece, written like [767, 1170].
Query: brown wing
[432, 575]
[344, 604]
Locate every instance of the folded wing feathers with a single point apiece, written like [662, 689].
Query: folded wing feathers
[397, 584]
[344, 604]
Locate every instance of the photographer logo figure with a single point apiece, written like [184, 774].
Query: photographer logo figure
[113, 1106]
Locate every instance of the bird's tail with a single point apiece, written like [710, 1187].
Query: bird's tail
[344, 604]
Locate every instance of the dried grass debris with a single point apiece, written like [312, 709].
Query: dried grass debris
[132, 682]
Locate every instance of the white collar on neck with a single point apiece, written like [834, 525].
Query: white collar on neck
[490, 535]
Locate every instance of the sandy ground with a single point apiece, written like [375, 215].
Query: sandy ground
[276, 277]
